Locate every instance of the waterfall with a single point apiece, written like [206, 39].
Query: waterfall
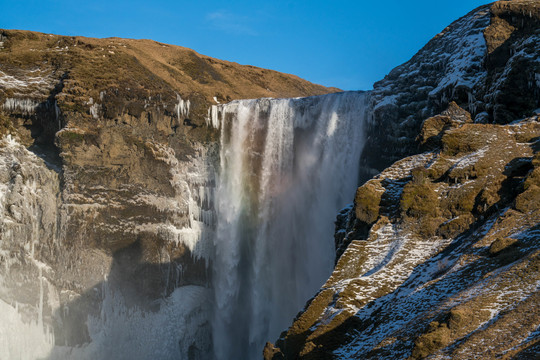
[287, 167]
[266, 229]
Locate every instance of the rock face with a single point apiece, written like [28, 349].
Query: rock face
[439, 256]
[451, 254]
[108, 176]
[487, 62]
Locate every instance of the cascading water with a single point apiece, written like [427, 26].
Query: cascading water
[287, 167]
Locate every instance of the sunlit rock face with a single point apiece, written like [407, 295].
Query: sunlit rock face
[487, 62]
[287, 166]
[449, 260]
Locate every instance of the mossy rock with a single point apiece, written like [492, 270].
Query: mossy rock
[439, 167]
[456, 226]
[467, 139]
[536, 159]
[418, 200]
[461, 200]
[440, 333]
[533, 179]
[501, 244]
[437, 337]
[69, 138]
[529, 200]
[432, 129]
[458, 318]
[427, 226]
[367, 202]
[420, 175]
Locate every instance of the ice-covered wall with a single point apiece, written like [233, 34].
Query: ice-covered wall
[47, 286]
[28, 228]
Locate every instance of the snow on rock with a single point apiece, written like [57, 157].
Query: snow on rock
[28, 195]
[24, 82]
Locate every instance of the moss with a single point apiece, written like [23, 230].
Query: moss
[455, 226]
[441, 333]
[533, 179]
[536, 160]
[461, 200]
[420, 175]
[439, 167]
[528, 201]
[418, 200]
[299, 331]
[427, 226]
[437, 337]
[70, 137]
[367, 202]
[488, 196]
[466, 139]
[432, 129]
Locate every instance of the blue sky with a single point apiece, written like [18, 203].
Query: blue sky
[347, 44]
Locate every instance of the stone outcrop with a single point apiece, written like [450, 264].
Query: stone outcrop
[487, 62]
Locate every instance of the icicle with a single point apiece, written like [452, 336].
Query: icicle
[26, 106]
[182, 108]
[212, 118]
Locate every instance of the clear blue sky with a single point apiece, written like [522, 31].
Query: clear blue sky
[347, 44]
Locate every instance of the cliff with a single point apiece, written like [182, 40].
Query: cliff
[108, 177]
[109, 246]
[487, 62]
[438, 256]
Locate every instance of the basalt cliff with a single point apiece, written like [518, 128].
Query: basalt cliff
[149, 211]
